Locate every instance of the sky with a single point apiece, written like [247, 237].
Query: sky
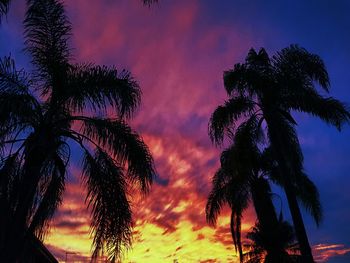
[177, 51]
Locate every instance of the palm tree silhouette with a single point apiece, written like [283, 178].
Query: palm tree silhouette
[262, 250]
[269, 89]
[43, 114]
[242, 178]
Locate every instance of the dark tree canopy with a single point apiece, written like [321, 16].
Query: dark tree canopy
[269, 89]
[43, 114]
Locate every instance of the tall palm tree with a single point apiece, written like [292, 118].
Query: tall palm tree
[269, 89]
[262, 250]
[43, 114]
[242, 179]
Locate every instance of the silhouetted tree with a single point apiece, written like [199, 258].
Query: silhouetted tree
[242, 178]
[43, 114]
[269, 89]
[262, 250]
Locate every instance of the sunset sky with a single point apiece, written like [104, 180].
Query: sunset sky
[177, 51]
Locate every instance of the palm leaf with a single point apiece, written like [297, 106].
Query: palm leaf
[47, 30]
[226, 115]
[328, 109]
[99, 87]
[300, 63]
[125, 145]
[107, 198]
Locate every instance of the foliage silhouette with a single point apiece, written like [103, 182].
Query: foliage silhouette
[269, 89]
[43, 114]
[4, 7]
[262, 250]
[242, 179]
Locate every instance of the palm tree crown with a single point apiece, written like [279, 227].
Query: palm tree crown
[42, 114]
[268, 89]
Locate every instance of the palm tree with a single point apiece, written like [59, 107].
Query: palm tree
[262, 250]
[269, 89]
[43, 114]
[242, 179]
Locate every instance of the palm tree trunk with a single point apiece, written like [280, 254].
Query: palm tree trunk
[286, 171]
[299, 226]
[17, 231]
[263, 205]
[267, 217]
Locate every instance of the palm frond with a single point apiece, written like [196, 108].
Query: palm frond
[235, 227]
[226, 115]
[101, 86]
[299, 62]
[305, 189]
[51, 194]
[125, 145]
[257, 59]
[9, 173]
[217, 197]
[110, 209]
[11, 79]
[288, 143]
[47, 30]
[18, 107]
[330, 110]
[234, 79]
[4, 8]
[249, 134]
[234, 191]
[309, 196]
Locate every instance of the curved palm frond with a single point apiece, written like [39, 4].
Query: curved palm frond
[234, 191]
[305, 191]
[125, 145]
[298, 62]
[11, 79]
[226, 115]
[217, 197]
[99, 86]
[47, 30]
[51, 194]
[309, 196]
[107, 198]
[330, 110]
[18, 107]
